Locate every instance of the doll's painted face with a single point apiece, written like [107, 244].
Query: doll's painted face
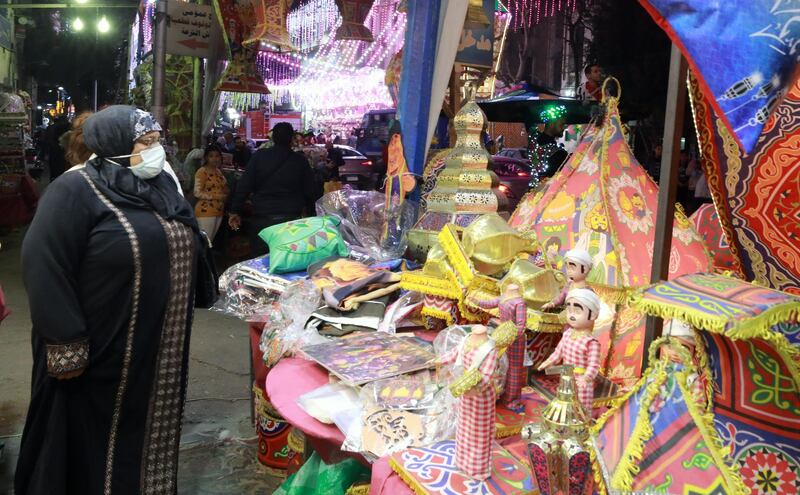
[576, 271]
[579, 316]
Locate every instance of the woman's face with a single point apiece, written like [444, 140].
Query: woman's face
[141, 144]
[214, 159]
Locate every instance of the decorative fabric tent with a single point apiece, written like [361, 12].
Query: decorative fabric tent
[758, 195]
[706, 222]
[603, 201]
[666, 435]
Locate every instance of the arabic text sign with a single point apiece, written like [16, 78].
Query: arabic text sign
[193, 29]
[477, 42]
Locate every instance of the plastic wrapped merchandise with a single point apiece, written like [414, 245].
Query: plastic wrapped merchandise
[371, 233]
[406, 306]
[449, 339]
[247, 291]
[298, 301]
[398, 413]
[326, 401]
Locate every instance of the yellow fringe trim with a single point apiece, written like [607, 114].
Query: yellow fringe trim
[358, 489]
[599, 482]
[705, 423]
[407, 478]
[506, 430]
[417, 282]
[747, 329]
[448, 238]
[705, 369]
[616, 403]
[439, 314]
[628, 466]
[612, 295]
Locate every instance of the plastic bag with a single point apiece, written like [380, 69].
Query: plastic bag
[318, 478]
[285, 319]
[324, 402]
[248, 291]
[398, 413]
[371, 233]
[404, 308]
[451, 338]
[298, 301]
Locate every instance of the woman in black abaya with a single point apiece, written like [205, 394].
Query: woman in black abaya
[109, 266]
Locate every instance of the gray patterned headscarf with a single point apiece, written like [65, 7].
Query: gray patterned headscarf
[113, 130]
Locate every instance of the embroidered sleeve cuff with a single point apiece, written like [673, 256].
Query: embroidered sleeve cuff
[63, 358]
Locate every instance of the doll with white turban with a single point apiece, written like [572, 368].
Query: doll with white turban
[578, 263]
[578, 347]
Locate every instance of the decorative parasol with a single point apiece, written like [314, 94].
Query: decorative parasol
[736, 428]
[603, 201]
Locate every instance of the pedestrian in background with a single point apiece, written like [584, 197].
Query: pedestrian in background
[211, 191]
[281, 184]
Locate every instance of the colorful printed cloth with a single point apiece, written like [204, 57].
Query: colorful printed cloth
[744, 53]
[757, 195]
[433, 471]
[757, 412]
[721, 304]
[707, 223]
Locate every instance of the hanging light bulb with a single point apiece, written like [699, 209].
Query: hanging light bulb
[77, 24]
[103, 25]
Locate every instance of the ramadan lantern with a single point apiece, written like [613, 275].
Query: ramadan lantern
[557, 448]
[354, 13]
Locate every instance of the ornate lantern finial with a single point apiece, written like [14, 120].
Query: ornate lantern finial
[557, 447]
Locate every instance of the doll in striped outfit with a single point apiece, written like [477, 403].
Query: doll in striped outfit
[578, 347]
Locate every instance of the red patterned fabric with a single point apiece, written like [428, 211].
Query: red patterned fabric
[272, 430]
[707, 223]
[581, 351]
[240, 75]
[758, 195]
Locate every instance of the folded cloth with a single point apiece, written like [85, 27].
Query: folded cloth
[345, 283]
[333, 322]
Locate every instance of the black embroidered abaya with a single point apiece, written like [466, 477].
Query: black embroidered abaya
[109, 264]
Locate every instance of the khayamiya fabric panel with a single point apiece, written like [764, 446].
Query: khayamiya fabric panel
[744, 53]
[758, 195]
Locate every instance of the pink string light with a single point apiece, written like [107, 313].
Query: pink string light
[528, 13]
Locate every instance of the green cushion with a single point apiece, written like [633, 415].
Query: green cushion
[295, 245]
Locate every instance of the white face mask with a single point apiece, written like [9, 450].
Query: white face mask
[153, 160]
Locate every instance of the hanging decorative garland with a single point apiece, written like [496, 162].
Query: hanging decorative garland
[527, 13]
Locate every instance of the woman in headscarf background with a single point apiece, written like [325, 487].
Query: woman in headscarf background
[109, 266]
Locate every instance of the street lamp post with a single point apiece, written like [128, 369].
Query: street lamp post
[160, 61]
[101, 27]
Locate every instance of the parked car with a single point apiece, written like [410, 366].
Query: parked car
[516, 153]
[357, 170]
[515, 177]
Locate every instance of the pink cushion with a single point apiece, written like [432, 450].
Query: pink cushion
[288, 380]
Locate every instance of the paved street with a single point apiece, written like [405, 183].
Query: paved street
[218, 447]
